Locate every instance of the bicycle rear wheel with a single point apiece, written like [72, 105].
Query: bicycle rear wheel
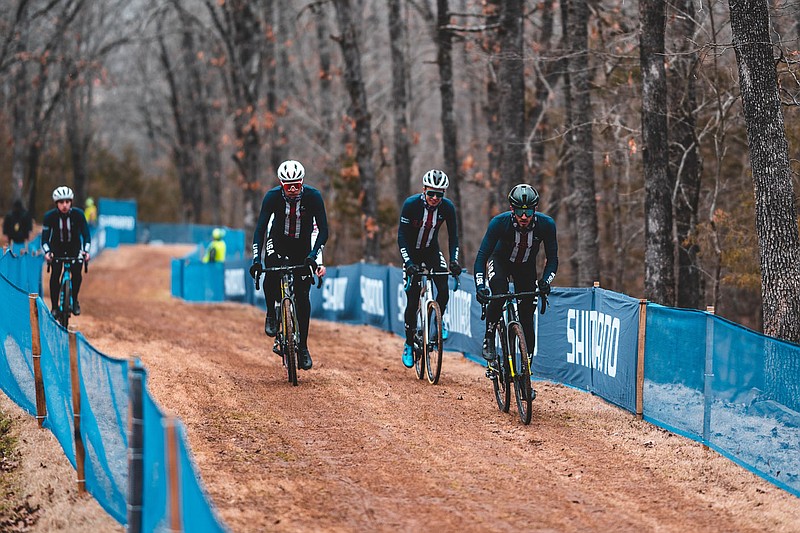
[433, 343]
[64, 303]
[522, 373]
[289, 346]
[501, 376]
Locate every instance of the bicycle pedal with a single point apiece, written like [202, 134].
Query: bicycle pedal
[276, 347]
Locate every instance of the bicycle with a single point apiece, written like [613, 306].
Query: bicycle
[515, 364]
[287, 339]
[64, 308]
[428, 341]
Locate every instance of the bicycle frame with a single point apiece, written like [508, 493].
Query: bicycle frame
[288, 335]
[426, 342]
[64, 309]
[514, 365]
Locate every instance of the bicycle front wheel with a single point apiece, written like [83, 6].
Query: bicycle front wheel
[501, 376]
[289, 346]
[522, 373]
[433, 343]
[65, 303]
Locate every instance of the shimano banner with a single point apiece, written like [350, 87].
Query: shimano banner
[588, 338]
[120, 215]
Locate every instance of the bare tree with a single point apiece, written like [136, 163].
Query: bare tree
[684, 152]
[359, 113]
[402, 151]
[241, 27]
[776, 214]
[659, 266]
[581, 146]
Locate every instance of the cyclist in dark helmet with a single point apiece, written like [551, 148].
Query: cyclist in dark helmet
[291, 214]
[418, 238]
[65, 233]
[508, 251]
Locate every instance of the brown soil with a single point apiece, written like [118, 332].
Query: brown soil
[363, 445]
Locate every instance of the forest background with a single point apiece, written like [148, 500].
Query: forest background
[189, 106]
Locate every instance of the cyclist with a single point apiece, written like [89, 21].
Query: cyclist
[290, 214]
[91, 212]
[215, 253]
[65, 233]
[417, 236]
[508, 250]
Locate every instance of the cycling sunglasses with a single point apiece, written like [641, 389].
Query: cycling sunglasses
[434, 194]
[293, 187]
[527, 212]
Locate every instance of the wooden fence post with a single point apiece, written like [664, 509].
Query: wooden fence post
[135, 445]
[640, 359]
[173, 474]
[36, 352]
[75, 379]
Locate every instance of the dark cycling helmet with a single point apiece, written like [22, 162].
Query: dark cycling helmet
[63, 193]
[435, 179]
[523, 196]
[291, 171]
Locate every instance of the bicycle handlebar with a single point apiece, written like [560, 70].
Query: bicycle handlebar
[515, 295]
[287, 268]
[65, 260]
[426, 272]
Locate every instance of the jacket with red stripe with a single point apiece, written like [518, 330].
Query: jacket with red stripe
[418, 232]
[505, 241]
[285, 226]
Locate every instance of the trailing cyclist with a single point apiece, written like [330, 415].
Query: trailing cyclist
[65, 233]
[508, 251]
[418, 238]
[290, 214]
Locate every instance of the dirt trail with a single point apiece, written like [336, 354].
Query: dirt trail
[363, 445]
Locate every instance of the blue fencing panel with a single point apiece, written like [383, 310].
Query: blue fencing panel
[104, 419]
[23, 270]
[153, 232]
[154, 500]
[176, 277]
[237, 280]
[16, 359]
[728, 387]
[197, 512]
[340, 298]
[752, 406]
[120, 215]
[372, 286]
[203, 282]
[57, 380]
[674, 363]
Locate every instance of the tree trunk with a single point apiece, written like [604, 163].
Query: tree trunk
[490, 43]
[581, 143]
[511, 85]
[776, 216]
[402, 153]
[659, 282]
[684, 154]
[359, 113]
[444, 59]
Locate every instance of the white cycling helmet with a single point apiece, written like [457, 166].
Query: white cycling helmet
[291, 171]
[63, 193]
[436, 179]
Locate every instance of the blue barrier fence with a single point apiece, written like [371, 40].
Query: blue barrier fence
[704, 377]
[58, 377]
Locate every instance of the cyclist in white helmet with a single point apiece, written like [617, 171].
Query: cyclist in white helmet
[418, 239]
[291, 214]
[65, 233]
